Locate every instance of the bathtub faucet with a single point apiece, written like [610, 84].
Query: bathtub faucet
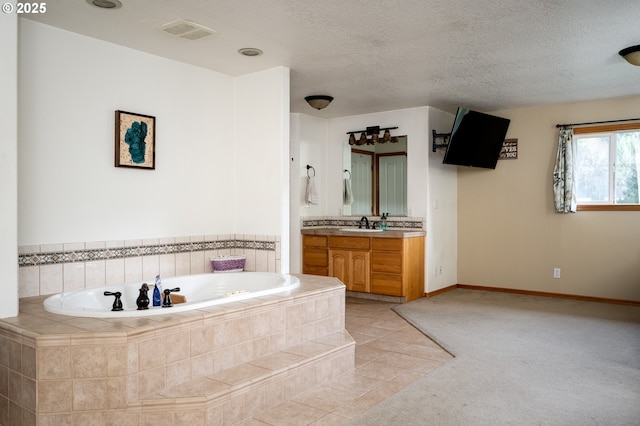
[166, 302]
[117, 303]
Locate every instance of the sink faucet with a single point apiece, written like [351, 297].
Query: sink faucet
[366, 221]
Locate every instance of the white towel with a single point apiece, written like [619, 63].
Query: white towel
[311, 195]
[347, 195]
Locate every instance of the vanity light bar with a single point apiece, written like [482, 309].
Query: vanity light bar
[373, 132]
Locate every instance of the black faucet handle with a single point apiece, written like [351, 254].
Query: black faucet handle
[117, 303]
[167, 302]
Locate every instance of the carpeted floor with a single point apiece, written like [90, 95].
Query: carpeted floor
[521, 360]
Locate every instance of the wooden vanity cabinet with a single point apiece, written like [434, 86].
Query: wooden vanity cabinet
[315, 260]
[349, 261]
[380, 265]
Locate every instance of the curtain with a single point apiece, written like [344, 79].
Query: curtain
[564, 182]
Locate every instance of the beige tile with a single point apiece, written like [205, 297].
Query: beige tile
[54, 363]
[239, 374]
[151, 352]
[151, 381]
[150, 267]
[29, 281]
[355, 383]
[178, 372]
[168, 265]
[195, 388]
[201, 340]
[116, 395]
[50, 279]
[378, 370]
[179, 348]
[114, 271]
[84, 394]
[233, 411]
[95, 274]
[54, 419]
[191, 418]
[325, 398]
[4, 381]
[202, 365]
[400, 360]
[88, 361]
[277, 360]
[331, 420]
[291, 413]
[133, 270]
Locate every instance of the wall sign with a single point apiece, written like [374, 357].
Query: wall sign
[509, 150]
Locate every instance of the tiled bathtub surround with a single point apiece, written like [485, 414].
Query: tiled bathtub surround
[53, 268]
[218, 365]
[404, 223]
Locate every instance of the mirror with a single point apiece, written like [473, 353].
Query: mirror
[377, 175]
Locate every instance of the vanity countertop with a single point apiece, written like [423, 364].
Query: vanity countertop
[390, 233]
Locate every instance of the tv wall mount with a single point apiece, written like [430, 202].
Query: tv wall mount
[443, 137]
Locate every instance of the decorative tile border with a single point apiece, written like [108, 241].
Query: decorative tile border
[86, 255]
[395, 223]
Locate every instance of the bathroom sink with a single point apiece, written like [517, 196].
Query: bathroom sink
[360, 230]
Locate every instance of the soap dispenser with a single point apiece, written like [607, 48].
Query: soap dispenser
[383, 222]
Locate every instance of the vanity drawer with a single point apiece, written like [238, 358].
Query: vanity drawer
[315, 270]
[389, 262]
[387, 244]
[389, 284]
[357, 243]
[314, 241]
[315, 257]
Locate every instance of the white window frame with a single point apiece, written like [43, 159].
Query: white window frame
[609, 131]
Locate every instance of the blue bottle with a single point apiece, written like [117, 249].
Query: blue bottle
[157, 292]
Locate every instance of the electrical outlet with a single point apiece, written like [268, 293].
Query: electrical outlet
[556, 272]
[440, 270]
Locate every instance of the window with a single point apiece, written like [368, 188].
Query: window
[608, 167]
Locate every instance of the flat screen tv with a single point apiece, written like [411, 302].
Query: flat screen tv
[476, 139]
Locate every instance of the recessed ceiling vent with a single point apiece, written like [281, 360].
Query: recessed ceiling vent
[187, 29]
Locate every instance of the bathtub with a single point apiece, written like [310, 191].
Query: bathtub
[201, 291]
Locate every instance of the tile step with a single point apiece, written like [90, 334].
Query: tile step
[289, 372]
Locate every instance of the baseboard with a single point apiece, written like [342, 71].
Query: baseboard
[537, 293]
[440, 291]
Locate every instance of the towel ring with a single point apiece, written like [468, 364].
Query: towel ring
[347, 171]
[310, 167]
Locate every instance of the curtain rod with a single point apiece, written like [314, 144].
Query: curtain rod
[597, 122]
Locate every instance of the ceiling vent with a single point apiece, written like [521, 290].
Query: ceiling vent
[187, 29]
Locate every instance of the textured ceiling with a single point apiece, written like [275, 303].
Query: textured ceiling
[391, 54]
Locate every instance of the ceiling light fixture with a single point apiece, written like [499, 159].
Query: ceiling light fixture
[105, 4]
[631, 54]
[250, 51]
[319, 101]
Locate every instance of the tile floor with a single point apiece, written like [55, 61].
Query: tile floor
[390, 354]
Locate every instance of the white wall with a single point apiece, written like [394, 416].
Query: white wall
[262, 152]
[261, 172]
[308, 146]
[412, 122]
[9, 168]
[442, 220]
[70, 86]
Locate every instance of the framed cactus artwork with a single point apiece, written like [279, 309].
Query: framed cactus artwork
[135, 140]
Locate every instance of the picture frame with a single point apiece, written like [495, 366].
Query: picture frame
[135, 140]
